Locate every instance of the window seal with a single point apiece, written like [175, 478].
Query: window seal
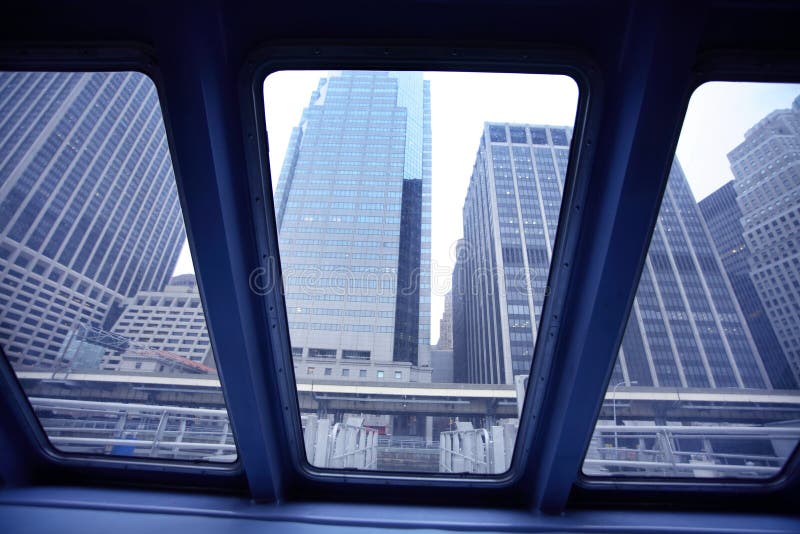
[721, 65]
[280, 57]
[105, 57]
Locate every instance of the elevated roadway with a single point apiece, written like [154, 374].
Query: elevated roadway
[661, 405]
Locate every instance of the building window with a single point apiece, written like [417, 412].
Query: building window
[379, 374]
[355, 354]
[322, 353]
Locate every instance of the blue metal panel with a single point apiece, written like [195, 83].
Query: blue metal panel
[628, 177]
[208, 166]
[88, 510]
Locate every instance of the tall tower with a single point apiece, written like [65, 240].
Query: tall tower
[89, 212]
[766, 167]
[446, 324]
[510, 219]
[685, 327]
[723, 218]
[353, 210]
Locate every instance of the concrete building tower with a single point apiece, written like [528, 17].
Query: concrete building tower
[766, 167]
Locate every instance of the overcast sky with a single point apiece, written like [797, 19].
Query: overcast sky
[719, 114]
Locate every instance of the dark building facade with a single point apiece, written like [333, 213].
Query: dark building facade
[685, 327]
[723, 217]
[510, 219]
[89, 213]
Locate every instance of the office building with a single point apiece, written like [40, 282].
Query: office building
[685, 328]
[723, 217]
[766, 166]
[353, 212]
[89, 213]
[170, 321]
[458, 297]
[510, 218]
[446, 324]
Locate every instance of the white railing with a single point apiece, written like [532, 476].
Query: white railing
[476, 450]
[689, 451]
[348, 445]
[139, 430]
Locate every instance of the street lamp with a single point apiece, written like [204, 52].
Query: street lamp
[614, 410]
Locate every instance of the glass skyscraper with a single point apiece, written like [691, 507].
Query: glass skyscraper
[723, 218]
[685, 327]
[89, 213]
[766, 167]
[353, 208]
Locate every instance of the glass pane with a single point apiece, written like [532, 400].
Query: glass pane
[414, 207]
[706, 381]
[100, 315]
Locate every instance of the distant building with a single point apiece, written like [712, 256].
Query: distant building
[170, 321]
[723, 218]
[458, 295]
[766, 167]
[446, 324]
[353, 210]
[442, 365]
[89, 214]
[685, 328]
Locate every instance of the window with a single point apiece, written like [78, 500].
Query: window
[707, 379]
[93, 194]
[379, 256]
[321, 353]
[355, 354]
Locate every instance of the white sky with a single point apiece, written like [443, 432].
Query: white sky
[719, 114]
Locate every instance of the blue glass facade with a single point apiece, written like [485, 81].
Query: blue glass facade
[89, 212]
[353, 212]
[723, 217]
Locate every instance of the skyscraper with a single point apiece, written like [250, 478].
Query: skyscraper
[89, 212]
[766, 167]
[685, 327]
[446, 324]
[510, 218]
[353, 212]
[723, 218]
